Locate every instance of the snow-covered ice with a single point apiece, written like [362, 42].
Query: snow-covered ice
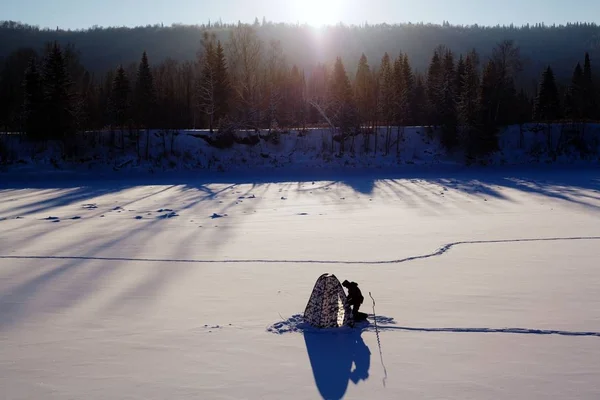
[486, 285]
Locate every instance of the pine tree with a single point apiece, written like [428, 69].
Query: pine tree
[547, 105]
[403, 81]
[58, 97]
[386, 101]
[485, 139]
[507, 64]
[409, 88]
[207, 83]
[400, 100]
[468, 104]
[341, 106]
[120, 98]
[34, 102]
[222, 88]
[448, 114]
[419, 102]
[363, 90]
[213, 85]
[145, 99]
[460, 73]
[574, 99]
[435, 78]
[589, 94]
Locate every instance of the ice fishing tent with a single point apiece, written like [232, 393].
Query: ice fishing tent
[327, 307]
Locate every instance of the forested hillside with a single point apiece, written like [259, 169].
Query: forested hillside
[468, 83]
[105, 48]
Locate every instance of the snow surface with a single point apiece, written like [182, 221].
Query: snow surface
[295, 150]
[485, 280]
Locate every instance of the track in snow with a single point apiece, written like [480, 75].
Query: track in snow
[296, 324]
[442, 250]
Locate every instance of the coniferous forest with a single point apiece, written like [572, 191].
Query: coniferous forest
[235, 79]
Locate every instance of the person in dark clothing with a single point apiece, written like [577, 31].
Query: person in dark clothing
[355, 297]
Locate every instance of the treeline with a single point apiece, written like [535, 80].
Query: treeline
[103, 48]
[245, 83]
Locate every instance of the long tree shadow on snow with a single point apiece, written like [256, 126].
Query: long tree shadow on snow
[576, 185]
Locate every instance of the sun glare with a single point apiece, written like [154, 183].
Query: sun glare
[317, 12]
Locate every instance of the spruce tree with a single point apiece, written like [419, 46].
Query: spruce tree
[341, 106]
[34, 102]
[409, 88]
[589, 94]
[435, 78]
[120, 98]
[145, 99]
[419, 102]
[448, 114]
[468, 105]
[507, 64]
[207, 83]
[574, 99]
[145, 95]
[223, 84]
[485, 140]
[401, 97]
[58, 97]
[213, 84]
[547, 105]
[460, 73]
[363, 90]
[386, 101]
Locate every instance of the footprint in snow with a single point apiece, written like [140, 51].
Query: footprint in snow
[165, 210]
[119, 209]
[215, 216]
[168, 216]
[51, 219]
[139, 217]
[303, 214]
[90, 206]
[252, 197]
[76, 217]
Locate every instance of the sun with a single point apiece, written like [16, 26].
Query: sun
[317, 12]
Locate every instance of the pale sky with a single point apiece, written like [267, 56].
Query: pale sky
[75, 14]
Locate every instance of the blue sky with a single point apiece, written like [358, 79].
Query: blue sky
[77, 14]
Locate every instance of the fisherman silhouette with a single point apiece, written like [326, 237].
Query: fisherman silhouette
[354, 299]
